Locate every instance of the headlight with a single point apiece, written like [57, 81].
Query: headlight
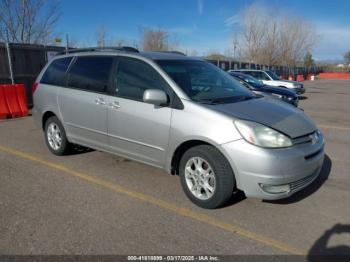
[260, 135]
[277, 95]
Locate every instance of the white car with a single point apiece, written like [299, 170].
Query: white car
[270, 78]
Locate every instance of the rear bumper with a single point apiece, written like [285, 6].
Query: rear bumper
[36, 117]
[297, 167]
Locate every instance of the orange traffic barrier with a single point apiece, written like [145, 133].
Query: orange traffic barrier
[13, 101]
[4, 111]
[308, 77]
[300, 78]
[290, 78]
[22, 98]
[334, 76]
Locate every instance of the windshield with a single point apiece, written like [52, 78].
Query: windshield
[272, 75]
[251, 81]
[204, 82]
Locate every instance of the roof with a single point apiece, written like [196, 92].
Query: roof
[241, 70]
[237, 73]
[171, 55]
[165, 56]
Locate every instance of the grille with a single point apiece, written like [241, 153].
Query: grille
[297, 185]
[302, 139]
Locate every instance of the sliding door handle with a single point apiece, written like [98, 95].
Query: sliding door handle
[100, 101]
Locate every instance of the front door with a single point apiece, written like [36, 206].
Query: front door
[136, 129]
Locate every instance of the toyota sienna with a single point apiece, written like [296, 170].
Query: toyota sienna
[181, 114]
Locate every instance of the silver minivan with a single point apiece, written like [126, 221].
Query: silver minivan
[181, 114]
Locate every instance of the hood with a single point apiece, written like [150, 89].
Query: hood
[288, 81]
[281, 82]
[278, 90]
[270, 112]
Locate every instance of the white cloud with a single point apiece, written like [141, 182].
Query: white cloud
[334, 41]
[232, 20]
[200, 6]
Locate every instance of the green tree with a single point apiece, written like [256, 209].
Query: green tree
[308, 60]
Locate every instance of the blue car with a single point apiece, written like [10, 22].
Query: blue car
[258, 87]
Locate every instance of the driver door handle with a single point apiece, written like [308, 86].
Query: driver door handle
[114, 105]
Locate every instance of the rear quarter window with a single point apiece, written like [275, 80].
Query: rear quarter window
[55, 74]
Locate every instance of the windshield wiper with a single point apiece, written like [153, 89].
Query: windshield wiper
[245, 98]
[228, 100]
[212, 101]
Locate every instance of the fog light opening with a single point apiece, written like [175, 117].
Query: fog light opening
[275, 189]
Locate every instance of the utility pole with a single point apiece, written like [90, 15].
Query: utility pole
[67, 43]
[10, 62]
[235, 44]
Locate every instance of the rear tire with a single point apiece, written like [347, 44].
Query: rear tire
[206, 176]
[55, 137]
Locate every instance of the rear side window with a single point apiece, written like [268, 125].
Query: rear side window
[55, 74]
[247, 72]
[134, 77]
[91, 73]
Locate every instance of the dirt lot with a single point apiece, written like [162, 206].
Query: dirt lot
[97, 203]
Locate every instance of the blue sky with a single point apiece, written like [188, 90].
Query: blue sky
[200, 25]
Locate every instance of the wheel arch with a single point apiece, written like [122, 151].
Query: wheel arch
[45, 117]
[181, 149]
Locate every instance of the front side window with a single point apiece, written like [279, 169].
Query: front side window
[259, 75]
[272, 75]
[91, 73]
[251, 80]
[204, 82]
[134, 77]
[55, 74]
[264, 76]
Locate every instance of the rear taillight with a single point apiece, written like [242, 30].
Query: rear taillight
[34, 87]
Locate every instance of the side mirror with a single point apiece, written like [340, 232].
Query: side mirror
[155, 96]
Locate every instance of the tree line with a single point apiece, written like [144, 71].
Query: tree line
[271, 38]
[264, 36]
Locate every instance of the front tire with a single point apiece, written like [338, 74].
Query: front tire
[55, 137]
[206, 176]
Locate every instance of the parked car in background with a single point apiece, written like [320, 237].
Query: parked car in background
[270, 78]
[259, 87]
[181, 114]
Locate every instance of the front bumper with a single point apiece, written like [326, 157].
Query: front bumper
[297, 166]
[299, 90]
